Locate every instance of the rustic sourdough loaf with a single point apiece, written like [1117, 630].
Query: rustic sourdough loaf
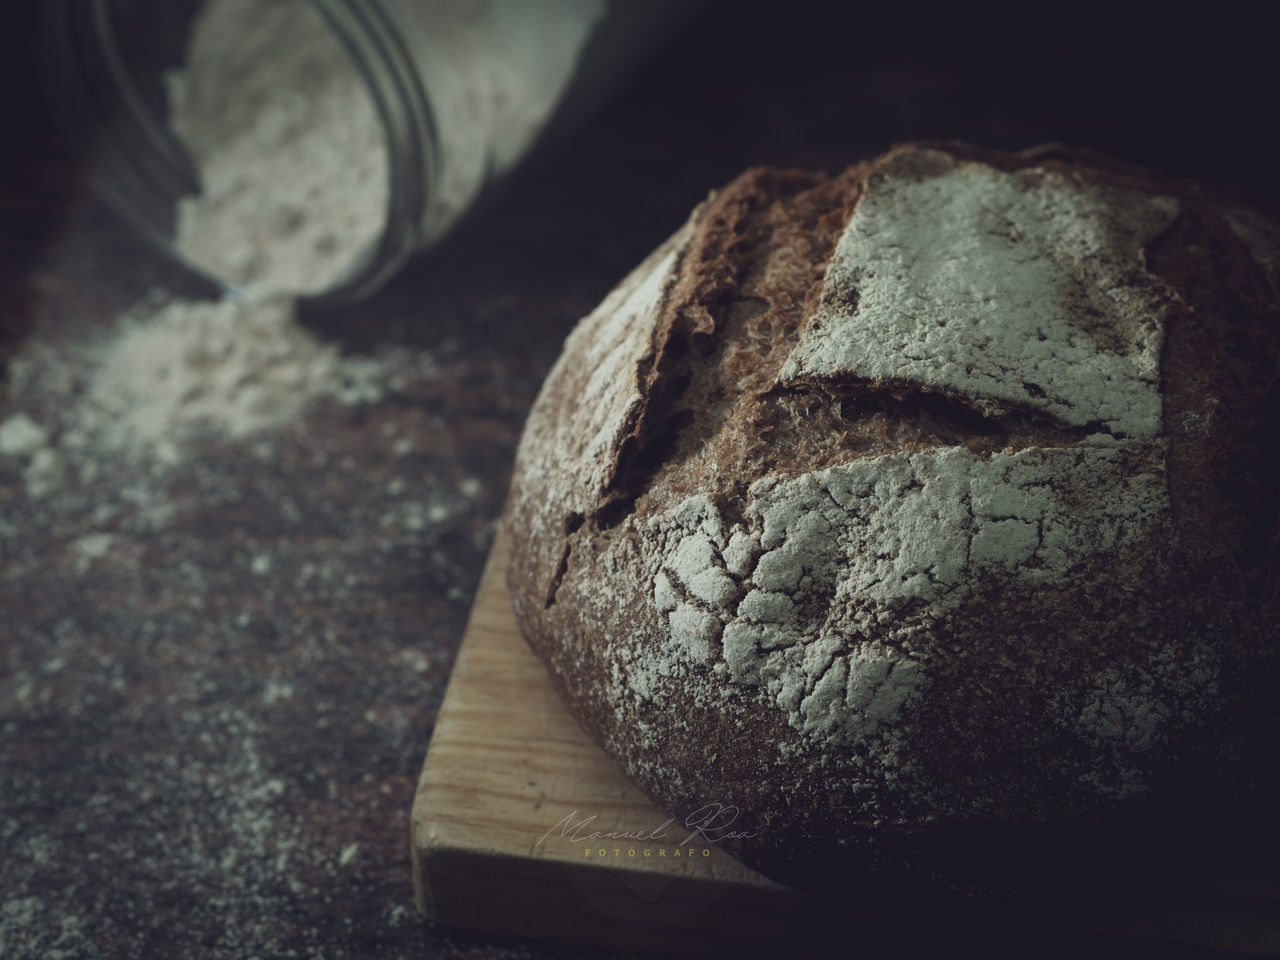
[926, 513]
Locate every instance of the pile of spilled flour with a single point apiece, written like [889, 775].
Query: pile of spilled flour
[292, 165]
[288, 144]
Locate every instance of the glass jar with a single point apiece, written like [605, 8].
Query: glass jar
[462, 90]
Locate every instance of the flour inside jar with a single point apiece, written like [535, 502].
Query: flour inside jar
[287, 142]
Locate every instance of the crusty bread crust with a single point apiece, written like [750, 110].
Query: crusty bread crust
[926, 513]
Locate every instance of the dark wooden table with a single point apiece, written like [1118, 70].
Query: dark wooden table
[218, 679]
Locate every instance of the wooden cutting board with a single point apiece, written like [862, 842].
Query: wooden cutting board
[513, 798]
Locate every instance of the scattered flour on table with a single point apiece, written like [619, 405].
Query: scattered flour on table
[20, 434]
[294, 189]
[228, 365]
[293, 168]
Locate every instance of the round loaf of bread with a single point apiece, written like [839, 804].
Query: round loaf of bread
[926, 515]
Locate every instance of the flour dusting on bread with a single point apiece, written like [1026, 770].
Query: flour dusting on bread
[1021, 288]
[917, 503]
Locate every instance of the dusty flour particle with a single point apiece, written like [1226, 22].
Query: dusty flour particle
[18, 921]
[44, 473]
[23, 438]
[93, 546]
[20, 435]
[290, 152]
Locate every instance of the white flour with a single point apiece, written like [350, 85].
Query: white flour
[291, 155]
[293, 165]
[1024, 289]
[224, 364]
[293, 162]
[294, 172]
[494, 73]
[869, 537]
[171, 371]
